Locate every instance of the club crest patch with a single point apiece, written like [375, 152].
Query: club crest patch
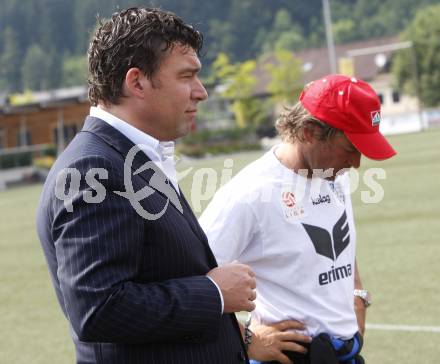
[375, 118]
[292, 207]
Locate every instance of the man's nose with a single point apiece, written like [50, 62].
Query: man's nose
[199, 92]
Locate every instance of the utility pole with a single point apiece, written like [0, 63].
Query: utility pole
[329, 35]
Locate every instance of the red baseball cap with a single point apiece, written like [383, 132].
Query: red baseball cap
[351, 105]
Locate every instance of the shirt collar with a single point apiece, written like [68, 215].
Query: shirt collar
[155, 149]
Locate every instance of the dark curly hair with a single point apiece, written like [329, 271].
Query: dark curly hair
[135, 37]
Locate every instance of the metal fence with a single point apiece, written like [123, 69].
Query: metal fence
[24, 156]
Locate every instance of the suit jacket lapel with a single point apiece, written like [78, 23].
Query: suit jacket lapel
[135, 159]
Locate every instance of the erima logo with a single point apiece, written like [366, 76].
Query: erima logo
[334, 274]
[331, 246]
[375, 118]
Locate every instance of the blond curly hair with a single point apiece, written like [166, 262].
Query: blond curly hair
[292, 122]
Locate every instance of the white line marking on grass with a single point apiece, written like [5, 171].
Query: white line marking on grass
[403, 328]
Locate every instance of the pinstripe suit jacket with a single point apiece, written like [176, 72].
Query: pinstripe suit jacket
[134, 290]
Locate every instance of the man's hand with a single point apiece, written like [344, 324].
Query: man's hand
[237, 283]
[268, 342]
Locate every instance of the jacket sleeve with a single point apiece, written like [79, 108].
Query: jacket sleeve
[97, 247]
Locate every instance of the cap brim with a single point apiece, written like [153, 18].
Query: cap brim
[372, 145]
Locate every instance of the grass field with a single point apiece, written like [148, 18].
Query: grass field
[398, 254]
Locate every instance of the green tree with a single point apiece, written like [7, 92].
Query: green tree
[285, 77]
[57, 30]
[246, 17]
[238, 85]
[34, 69]
[424, 32]
[222, 38]
[54, 69]
[10, 62]
[282, 21]
[291, 40]
[74, 71]
[344, 30]
[284, 34]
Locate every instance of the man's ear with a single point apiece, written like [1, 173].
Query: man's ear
[136, 83]
[309, 133]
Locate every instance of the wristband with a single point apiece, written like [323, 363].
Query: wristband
[364, 295]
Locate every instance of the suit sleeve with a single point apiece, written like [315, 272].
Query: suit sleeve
[97, 247]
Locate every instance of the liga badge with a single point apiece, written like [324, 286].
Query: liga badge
[292, 205]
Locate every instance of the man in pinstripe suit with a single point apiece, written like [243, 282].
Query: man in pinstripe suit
[131, 267]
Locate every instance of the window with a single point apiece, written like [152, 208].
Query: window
[24, 138]
[69, 132]
[396, 96]
[380, 98]
[2, 138]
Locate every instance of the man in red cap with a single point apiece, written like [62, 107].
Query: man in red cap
[289, 216]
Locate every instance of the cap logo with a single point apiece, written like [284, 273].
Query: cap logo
[375, 118]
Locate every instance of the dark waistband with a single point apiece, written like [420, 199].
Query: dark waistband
[338, 351]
